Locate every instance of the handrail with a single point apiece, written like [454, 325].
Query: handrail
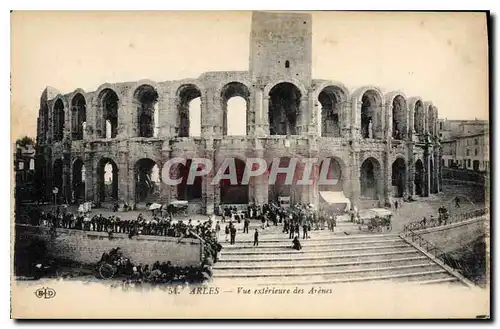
[436, 252]
[410, 228]
[420, 225]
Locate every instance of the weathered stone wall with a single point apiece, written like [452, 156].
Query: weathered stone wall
[269, 53]
[454, 236]
[86, 247]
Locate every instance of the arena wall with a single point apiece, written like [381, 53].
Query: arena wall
[87, 247]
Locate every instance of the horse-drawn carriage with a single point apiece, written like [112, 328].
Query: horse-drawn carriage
[375, 220]
[178, 208]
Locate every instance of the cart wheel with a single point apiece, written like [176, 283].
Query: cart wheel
[106, 271]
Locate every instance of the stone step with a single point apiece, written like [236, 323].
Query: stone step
[409, 276]
[310, 246]
[248, 238]
[228, 271]
[314, 250]
[450, 279]
[284, 266]
[407, 252]
[292, 254]
[332, 274]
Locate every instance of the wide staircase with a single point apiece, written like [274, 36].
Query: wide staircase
[347, 255]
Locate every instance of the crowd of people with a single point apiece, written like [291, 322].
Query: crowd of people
[157, 273]
[296, 219]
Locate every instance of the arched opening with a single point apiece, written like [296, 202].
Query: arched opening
[235, 108]
[398, 177]
[399, 124]
[371, 116]
[58, 121]
[147, 181]
[146, 99]
[369, 178]
[189, 111]
[234, 194]
[57, 174]
[284, 109]
[78, 116]
[107, 172]
[78, 180]
[280, 188]
[431, 123]
[185, 191]
[333, 175]
[287, 64]
[418, 118]
[419, 178]
[108, 121]
[331, 99]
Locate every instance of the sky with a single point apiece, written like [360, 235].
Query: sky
[441, 57]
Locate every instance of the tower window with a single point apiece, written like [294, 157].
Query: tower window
[287, 64]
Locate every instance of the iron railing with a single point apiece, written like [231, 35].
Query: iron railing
[435, 222]
[437, 253]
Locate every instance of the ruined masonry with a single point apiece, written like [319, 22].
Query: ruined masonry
[106, 145]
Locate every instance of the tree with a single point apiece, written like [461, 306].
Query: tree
[25, 141]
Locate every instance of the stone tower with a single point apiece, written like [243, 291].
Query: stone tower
[281, 47]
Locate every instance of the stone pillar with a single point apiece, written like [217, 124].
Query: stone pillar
[165, 190]
[356, 119]
[410, 171]
[426, 182]
[255, 127]
[355, 187]
[208, 190]
[259, 184]
[387, 178]
[304, 117]
[66, 192]
[312, 115]
[264, 116]
[207, 109]
[126, 182]
[91, 176]
[345, 119]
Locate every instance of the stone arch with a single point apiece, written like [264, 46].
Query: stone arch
[279, 188]
[293, 81]
[398, 176]
[371, 178]
[146, 101]
[228, 93]
[284, 108]
[78, 116]
[235, 194]
[187, 192]
[332, 98]
[370, 102]
[78, 179]
[336, 171]
[185, 94]
[419, 117]
[107, 107]
[58, 120]
[397, 111]
[419, 178]
[432, 120]
[146, 180]
[107, 180]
